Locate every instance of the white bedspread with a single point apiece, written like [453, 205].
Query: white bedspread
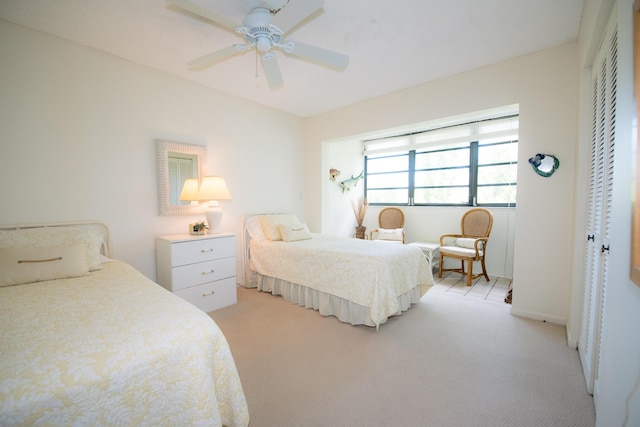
[371, 274]
[113, 348]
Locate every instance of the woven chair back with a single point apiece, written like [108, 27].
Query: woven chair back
[477, 222]
[391, 218]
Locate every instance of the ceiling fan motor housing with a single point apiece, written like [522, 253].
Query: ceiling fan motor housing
[258, 31]
[259, 17]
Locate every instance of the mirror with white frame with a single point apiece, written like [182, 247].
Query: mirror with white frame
[176, 162]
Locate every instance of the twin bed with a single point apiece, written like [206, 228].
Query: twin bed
[86, 340]
[358, 281]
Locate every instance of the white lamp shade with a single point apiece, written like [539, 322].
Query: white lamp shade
[189, 191]
[213, 188]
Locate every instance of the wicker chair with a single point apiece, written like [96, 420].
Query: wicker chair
[470, 245]
[390, 226]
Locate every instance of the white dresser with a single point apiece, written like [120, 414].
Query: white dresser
[200, 269]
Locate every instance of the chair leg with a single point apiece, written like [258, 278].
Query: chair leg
[484, 269]
[470, 273]
[440, 267]
[462, 266]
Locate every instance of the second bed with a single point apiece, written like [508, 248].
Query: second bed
[358, 281]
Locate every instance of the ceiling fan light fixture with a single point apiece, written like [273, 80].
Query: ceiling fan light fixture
[263, 43]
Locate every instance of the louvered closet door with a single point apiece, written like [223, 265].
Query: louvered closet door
[600, 199]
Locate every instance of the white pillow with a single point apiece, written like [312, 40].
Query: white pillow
[270, 223]
[26, 264]
[465, 242]
[255, 229]
[293, 233]
[390, 234]
[39, 237]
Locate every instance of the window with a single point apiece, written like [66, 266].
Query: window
[473, 164]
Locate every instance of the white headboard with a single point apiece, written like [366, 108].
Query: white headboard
[245, 240]
[95, 226]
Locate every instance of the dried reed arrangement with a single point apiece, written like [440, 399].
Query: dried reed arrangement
[360, 209]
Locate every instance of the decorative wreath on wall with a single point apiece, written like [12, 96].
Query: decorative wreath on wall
[544, 164]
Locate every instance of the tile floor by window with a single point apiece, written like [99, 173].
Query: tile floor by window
[451, 283]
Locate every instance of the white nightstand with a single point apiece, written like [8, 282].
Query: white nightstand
[431, 251]
[199, 269]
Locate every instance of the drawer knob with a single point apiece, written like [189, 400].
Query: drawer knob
[208, 272]
[206, 294]
[206, 250]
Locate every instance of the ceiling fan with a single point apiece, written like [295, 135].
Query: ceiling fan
[265, 29]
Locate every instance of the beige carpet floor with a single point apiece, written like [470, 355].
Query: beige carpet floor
[448, 361]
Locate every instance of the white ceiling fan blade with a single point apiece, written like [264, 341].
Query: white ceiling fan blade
[272, 70]
[205, 13]
[322, 56]
[214, 57]
[294, 12]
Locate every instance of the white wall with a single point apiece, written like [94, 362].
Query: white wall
[338, 218]
[544, 84]
[77, 142]
[617, 388]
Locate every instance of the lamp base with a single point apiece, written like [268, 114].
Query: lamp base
[213, 213]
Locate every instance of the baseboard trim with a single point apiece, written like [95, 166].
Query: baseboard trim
[572, 340]
[539, 316]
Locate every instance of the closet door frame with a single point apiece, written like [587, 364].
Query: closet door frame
[598, 227]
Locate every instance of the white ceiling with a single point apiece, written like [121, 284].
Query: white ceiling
[392, 45]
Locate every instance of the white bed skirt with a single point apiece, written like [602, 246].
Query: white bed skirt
[327, 304]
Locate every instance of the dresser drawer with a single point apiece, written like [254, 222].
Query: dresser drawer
[202, 272]
[211, 296]
[194, 251]
[200, 269]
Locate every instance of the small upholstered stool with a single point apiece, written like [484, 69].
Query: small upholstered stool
[430, 250]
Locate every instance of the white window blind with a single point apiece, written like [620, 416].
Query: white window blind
[501, 128]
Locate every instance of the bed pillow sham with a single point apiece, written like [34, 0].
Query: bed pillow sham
[270, 224]
[394, 234]
[19, 265]
[40, 237]
[294, 233]
[254, 228]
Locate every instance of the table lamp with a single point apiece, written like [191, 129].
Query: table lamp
[213, 189]
[189, 191]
